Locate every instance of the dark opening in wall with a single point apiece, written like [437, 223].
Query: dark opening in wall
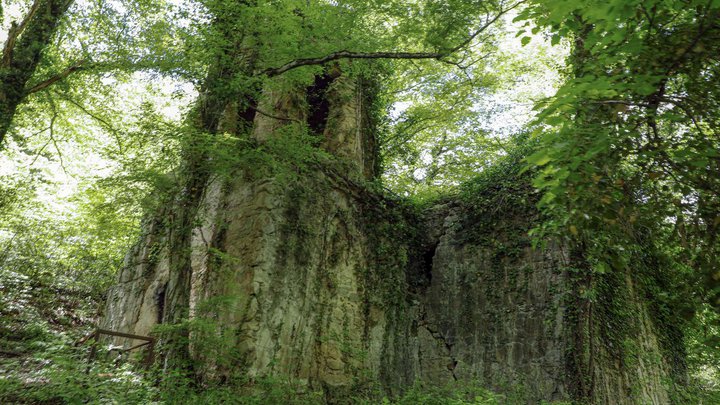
[246, 114]
[160, 301]
[419, 274]
[319, 106]
[427, 263]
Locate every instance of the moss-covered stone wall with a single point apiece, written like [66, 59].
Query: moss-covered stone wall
[294, 267]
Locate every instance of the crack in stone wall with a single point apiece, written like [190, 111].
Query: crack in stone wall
[438, 336]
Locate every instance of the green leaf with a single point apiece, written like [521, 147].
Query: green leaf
[539, 158]
[525, 40]
[602, 268]
[699, 163]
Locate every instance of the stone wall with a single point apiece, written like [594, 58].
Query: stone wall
[515, 319]
[300, 271]
[295, 282]
[494, 312]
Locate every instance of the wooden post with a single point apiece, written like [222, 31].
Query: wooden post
[93, 350]
[95, 336]
[150, 355]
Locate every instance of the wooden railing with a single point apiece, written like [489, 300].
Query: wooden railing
[95, 337]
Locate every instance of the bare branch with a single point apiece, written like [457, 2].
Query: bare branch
[42, 149]
[351, 55]
[56, 78]
[54, 142]
[51, 138]
[261, 112]
[388, 55]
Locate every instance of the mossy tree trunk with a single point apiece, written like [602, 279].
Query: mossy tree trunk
[22, 53]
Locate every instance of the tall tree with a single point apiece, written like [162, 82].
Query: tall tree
[636, 124]
[630, 145]
[21, 55]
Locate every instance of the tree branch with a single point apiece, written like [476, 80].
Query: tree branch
[9, 44]
[15, 31]
[31, 13]
[42, 149]
[350, 55]
[56, 78]
[261, 112]
[97, 118]
[54, 142]
[345, 54]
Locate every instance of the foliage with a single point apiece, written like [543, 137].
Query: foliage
[634, 137]
[457, 393]
[62, 376]
[629, 145]
[449, 122]
[503, 190]
[625, 153]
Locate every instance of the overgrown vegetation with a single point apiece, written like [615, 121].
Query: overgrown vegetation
[114, 111]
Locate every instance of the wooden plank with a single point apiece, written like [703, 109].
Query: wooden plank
[95, 336]
[85, 338]
[125, 335]
[137, 346]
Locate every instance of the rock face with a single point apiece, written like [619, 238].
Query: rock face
[494, 314]
[513, 318]
[313, 277]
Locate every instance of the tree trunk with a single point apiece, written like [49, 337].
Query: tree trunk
[21, 55]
